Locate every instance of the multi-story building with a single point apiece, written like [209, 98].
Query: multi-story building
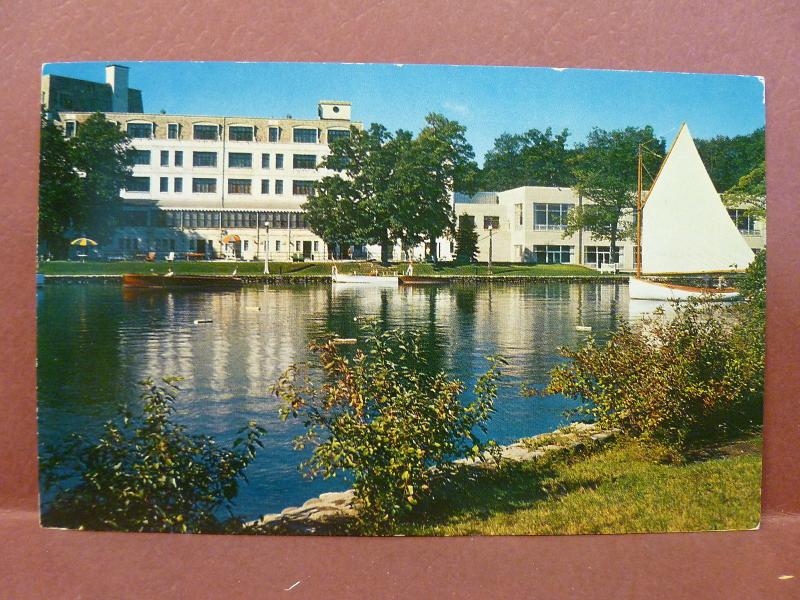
[61, 93]
[223, 186]
[528, 225]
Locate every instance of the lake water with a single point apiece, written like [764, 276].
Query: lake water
[96, 340]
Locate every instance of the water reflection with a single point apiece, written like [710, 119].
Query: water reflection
[96, 341]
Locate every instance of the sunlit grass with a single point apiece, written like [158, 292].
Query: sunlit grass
[615, 490]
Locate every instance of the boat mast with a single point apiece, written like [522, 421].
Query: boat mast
[639, 214]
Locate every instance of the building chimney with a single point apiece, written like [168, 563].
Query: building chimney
[117, 78]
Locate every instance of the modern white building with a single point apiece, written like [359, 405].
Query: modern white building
[528, 224]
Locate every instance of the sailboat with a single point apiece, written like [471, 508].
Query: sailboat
[684, 229]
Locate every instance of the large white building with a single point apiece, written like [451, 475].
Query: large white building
[210, 186]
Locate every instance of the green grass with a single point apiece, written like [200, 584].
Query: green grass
[302, 268]
[614, 490]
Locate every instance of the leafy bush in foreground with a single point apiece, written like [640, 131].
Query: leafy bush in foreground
[680, 381]
[146, 473]
[387, 418]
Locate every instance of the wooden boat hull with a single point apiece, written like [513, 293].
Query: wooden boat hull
[379, 280]
[642, 289]
[179, 281]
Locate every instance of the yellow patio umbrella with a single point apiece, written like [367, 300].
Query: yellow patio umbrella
[231, 239]
[82, 241]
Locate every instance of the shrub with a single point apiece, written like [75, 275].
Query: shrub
[677, 382]
[146, 473]
[386, 418]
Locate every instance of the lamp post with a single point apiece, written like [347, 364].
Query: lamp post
[266, 250]
[490, 249]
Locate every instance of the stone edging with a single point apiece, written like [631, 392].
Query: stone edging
[336, 506]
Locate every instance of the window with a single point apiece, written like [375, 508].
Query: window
[518, 215]
[493, 222]
[316, 246]
[140, 130]
[246, 244]
[265, 186]
[553, 254]
[550, 216]
[236, 219]
[304, 136]
[177, 185]
[337, 134]
[206, 132]
[746, 223]
[165, 158]
[279, 161]
[304, 161]
[265, 161]
[138, 184]
[274, 134]
[202, 185]
[466, 221]
[172, 131]
[134, 218]
[164, 184]
[195, 219]
[204, 159]
[277, 245]
[240, 160]
[70, 129]
[279, 186]
[238, 186]
[140, 157]
[600, 255]
[178, 158]
[302, 188]
[240, 133]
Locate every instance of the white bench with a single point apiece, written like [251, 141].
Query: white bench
[609, 268]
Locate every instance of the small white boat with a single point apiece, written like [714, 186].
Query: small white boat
[684, 229]
[383, 280]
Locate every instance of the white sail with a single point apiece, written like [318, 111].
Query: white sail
[685, 226]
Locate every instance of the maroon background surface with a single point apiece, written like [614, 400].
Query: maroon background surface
[755, 37]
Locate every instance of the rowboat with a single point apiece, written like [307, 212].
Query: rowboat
[683, 228]
[180, 281]
[381, 280]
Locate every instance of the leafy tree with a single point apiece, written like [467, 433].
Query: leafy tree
[387, 418]
[605, 170]
[750, 192]
[466, 240]
[59, 188]
[530, 158]
[146, 473]
[80, 181]
[102, 154]
[728, 159]
[390, 187]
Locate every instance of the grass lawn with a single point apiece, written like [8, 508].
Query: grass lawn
[303, 268]
[614, 490]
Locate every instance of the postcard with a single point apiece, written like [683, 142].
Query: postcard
[425, 300]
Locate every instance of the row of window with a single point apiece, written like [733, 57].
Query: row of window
[236, 160]
[204, 219]
[236, 133]
[170, 245]
[208, 185]
[561, 254]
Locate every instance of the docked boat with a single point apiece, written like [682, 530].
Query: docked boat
[381, 280]
[683, 228]
[180, 281]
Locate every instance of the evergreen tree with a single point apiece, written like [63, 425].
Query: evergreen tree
[466, 240]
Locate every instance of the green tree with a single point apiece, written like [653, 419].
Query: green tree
[466, 239]
[530, 158]
[728, 159]
[605, 171]
[102, 154]
[387, 418]
[146, 473]
[750, 192]
[60, 190]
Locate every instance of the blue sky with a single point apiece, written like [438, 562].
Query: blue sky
[487, 100]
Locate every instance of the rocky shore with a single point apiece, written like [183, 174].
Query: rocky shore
[324, 512]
